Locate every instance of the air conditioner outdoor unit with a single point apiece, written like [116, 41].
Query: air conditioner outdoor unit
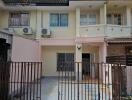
[27, 31]
[45, 32]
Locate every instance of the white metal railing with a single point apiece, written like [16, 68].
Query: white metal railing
[105, 30]
[118, 31]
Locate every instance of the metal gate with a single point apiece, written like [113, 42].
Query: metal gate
[20, 80]
[98, 83]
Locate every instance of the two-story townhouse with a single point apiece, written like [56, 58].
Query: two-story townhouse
[78, 31]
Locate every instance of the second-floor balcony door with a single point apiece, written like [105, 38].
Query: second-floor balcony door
[88, 19]
[115, 19]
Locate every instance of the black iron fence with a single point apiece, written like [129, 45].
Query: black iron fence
[98, 81]
[20, 80]
[122, 59]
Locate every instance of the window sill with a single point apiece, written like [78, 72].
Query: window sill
[17, 26]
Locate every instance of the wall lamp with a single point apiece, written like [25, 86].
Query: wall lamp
[79, 47]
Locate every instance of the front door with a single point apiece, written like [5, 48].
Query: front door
[86, 64]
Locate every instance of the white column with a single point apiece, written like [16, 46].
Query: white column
[129, 79]
[78, 60]
[38, 33]
[128, 16]
[104, 52]
[77, 22]
[103, 14]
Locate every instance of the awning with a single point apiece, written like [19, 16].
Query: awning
[37, 2]
[119, 41]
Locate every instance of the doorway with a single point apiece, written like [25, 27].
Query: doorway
[85, 64]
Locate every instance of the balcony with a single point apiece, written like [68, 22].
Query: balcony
[101, 30]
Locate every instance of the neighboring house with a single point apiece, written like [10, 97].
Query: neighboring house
[80, 30]
[5, 45]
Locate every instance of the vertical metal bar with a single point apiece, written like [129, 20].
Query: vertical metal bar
[105, 81]
[27, 80]
[72, 65]
[24, 81]
[21, 83]
[78, 96]
[61, 69]
[75, 80]
[95, 83]
[37, 66]
[41, 65]
[58, 83]
[91, 81]
[65, 81]
[85, 77]
[31, 65]
[68, 69]
[98, 82]
[102, 71]
[33, 81]
[119, 67]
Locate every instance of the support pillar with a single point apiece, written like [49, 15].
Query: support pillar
[128, 16]
[77, 22]
[78, 60]
[129, 79]
[38, 33]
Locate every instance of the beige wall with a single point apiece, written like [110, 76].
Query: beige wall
[4, 19]
[60, 32]
[49, 55]
[44, 22]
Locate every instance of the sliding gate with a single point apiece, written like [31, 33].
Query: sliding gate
[100, 81]
[20, 80]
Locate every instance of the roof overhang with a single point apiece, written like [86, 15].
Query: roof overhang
[122, 41]
[37, 2]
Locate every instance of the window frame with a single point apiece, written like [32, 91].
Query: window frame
[59, 63]
[20, 25]
[113, 15]
[59, 20]
[88, 18]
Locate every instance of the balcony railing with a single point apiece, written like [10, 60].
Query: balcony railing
[105, 30]
[118, 31]
[92, 30]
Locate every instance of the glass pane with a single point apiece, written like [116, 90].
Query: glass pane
[92, 19]
[83, 19]
[117, 19]
[25, 19]
[15, 19]
[63, 19]
[109, 19]
[54, 19]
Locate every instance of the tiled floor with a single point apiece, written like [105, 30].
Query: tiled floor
[50, 90]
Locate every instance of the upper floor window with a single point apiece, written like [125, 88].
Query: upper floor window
[114, 19]
[58, 19]
[88, 19]
[19, 19]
